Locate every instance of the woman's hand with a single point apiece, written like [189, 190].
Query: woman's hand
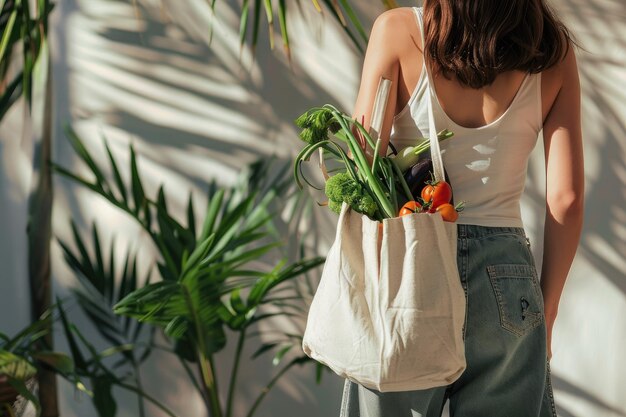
[550, 318]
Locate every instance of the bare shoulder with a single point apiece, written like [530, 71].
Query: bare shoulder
[563, 75]
[397, 28]
[397, 15]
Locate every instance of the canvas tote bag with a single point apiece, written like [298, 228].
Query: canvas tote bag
[389, 316]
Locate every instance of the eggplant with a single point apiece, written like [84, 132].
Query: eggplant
[420, 174]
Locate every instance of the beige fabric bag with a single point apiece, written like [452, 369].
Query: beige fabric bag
[391, 319]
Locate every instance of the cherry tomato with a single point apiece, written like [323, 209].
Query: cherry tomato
[438, 193]
[427, 193]
[448, 212]
[410, 207]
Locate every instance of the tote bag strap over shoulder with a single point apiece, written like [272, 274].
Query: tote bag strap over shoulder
[435, 150]
[380, 106]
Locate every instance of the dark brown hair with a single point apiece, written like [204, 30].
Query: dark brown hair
[477, 39]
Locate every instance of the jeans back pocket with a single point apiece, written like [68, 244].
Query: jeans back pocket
[518, 295]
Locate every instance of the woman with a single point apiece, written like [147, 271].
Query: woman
[501, 73]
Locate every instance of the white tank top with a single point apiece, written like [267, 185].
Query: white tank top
[486, 165]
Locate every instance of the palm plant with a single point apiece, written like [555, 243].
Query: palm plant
[26, 353]
[341, 10]
[89, 364]
[19, 25]
[208, 280]
[100, 288]
[25, 72]
[22, 355]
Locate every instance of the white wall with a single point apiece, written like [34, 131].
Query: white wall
[194, 113]
[590, 331]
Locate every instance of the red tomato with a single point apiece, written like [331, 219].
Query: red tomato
[410, 207]
[427, 193]
[441, 194]
[448, 212]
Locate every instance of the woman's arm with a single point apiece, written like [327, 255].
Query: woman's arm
[564, 188]
[381, 60]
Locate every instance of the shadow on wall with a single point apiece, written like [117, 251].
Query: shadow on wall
[195, 114]
[600, 28]
[143, 71]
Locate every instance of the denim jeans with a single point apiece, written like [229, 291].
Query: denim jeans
[507, 372]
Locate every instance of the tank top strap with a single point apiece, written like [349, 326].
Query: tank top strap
[528, 96]
[420, 22]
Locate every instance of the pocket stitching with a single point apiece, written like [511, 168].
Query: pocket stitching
[514, 271]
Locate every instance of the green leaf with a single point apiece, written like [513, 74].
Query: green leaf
[270, 21]
[11, 94]
[354, 19]
[111, 282]
[279, 355]
[121, 187]
[243, 22]
[80, 149]
[191, 220]
[282, 19]
[339, 17]
[319, 369]
[58, 361]
[103, 284]
[102, 396]
[279, 275]
[255, 319]
[149, 303]
[177, 327]
[137, 187]
[264, 348]
[236, 302]
[200, 252]
[84, 266]
[77, 355]
[31, 333]
[117, 349]
[15, 366]
[212, 211]
[93, 187]
[8, 33]
[256, 24]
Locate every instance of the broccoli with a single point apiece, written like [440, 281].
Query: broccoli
[315, 125]
[343, 188]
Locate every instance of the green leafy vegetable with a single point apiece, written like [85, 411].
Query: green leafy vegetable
[342, 188]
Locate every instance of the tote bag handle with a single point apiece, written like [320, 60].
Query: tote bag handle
[435, 150]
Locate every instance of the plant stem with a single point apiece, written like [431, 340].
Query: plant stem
[146, 396]
[142, 411]
[193, 380]
[209, 384]
[269, 386]
[405, 186]
[206, 370]
[192, 377]
[364, 167]
[233, 376]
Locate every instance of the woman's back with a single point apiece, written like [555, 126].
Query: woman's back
[466, 106]
[495, 129]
